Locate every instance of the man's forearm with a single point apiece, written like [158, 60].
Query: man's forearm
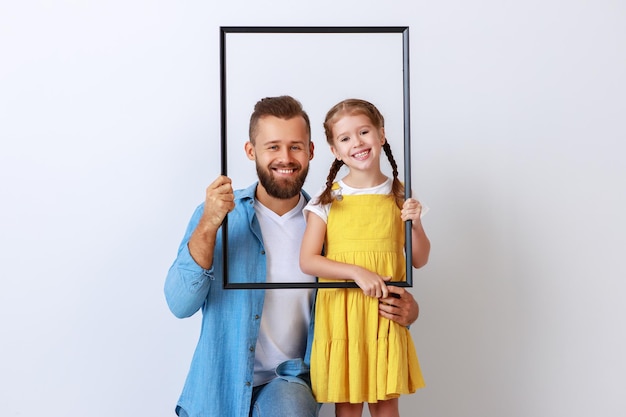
[202, 244]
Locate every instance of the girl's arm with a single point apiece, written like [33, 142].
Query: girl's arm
[312, 262]
[420, 244]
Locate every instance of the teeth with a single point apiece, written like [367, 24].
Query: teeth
[285, 171]
[361, 154]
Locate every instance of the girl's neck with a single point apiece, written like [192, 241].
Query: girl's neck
[364, 179]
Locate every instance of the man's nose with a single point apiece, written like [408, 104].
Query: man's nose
[283, 155]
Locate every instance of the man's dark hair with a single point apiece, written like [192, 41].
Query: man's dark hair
[283, 107]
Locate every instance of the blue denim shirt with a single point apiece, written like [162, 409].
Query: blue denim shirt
[219, 382]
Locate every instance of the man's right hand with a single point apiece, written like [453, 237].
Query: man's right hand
[219, 201]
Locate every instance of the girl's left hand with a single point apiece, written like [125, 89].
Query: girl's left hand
[411, 210]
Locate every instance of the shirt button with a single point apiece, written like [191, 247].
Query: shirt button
[247, 383]
[262, 252]
[251, 348]
[256, 316]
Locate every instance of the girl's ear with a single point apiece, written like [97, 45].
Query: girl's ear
[334, 151]
[383, 139]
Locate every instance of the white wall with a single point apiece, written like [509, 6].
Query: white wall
[109, 129]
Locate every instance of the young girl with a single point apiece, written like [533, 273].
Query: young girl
[359, 356]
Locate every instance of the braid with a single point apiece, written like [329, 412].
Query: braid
[397, 188]
[326, 196]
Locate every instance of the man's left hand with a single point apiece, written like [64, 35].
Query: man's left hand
[399, 306]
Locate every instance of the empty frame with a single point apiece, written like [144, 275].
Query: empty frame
[319, 66]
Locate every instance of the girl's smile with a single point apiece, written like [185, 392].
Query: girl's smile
[361, 155]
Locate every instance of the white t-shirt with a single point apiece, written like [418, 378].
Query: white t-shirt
[286, 312]
[322, 209]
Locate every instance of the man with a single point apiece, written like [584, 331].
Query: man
[251, 359]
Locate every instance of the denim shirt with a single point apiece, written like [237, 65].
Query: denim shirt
[219, 382]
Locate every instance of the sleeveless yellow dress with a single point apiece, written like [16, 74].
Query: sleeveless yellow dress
[357, 355]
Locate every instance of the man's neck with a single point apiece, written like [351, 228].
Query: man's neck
[279, 206]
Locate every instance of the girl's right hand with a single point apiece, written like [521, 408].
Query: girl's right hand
[372, 284]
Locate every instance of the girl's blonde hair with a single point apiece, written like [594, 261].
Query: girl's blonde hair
[352, 107]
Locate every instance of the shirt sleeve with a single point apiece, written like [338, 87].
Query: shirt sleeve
[320, 209]
[187, 283]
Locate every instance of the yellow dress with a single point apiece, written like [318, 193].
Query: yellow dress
[357, 355]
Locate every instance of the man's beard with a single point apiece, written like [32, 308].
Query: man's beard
[283, 189]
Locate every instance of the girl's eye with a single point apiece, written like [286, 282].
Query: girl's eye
[365, 132]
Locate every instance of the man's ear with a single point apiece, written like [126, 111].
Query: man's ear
[249, 148]
[311, 150]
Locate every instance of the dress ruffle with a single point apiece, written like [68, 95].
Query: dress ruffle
[365, 358]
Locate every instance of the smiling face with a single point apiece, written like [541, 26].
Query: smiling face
[357, 142]
[281, 150]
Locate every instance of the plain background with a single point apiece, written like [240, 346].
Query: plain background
[109, 127]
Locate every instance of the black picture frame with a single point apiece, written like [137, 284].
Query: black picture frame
[404, 31]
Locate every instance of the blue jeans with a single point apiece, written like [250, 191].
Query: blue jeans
[282, 398]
